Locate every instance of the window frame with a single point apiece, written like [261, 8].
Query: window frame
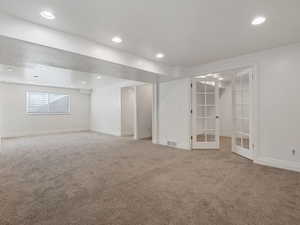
[47, 113]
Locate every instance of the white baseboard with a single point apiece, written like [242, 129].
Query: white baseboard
[277, 163]
[154, 142]
[32, 134]
[181, 146]
[266, 161]
[107, 133]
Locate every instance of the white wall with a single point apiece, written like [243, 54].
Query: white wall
[174, 113]
[106, 110]
[277, 118]
[279, 106]
[1, 116]
[226, 124]
[144, 97]
[106, 105]
[16, 122]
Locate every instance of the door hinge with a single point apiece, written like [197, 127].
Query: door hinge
[191, 111]
[191, 85]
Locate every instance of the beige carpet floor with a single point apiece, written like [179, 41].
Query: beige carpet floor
[92, 179]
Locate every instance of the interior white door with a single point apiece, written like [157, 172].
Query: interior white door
[205, 119]
[242, 93]
[127, 111]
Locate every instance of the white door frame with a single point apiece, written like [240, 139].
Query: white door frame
[205, 145]
[155, 110]
[254, 136]
[216, 68]
[249, 154]
[124, 95]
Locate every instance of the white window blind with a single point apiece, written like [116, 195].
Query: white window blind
[47, 103]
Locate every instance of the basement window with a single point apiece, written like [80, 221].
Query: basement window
[47, 103]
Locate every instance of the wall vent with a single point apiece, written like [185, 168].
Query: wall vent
[171, 143]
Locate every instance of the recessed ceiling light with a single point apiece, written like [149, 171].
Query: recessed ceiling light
[221, 78]
[258, 20]
[83, 82]
[99, 77]
[160, 55]
[117, 39]
[47, 15]
[9, 69]
[201, 76]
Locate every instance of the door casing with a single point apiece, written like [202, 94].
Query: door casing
[254, 124]
[236, 149]
[205, 145]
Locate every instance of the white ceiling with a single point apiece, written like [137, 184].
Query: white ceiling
[46, 75]
[23, 54]
[189, 32]
[57, 77]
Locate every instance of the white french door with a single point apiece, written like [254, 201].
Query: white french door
[242, 93]
[205, 119]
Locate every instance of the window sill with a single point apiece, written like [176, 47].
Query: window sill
[48, 114]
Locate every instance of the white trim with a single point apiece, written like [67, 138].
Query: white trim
[15, 28]
[124, 99]
[255, 97]
[115, 134]
[28, 103]
[277, 163]
[247, 153]
[138, 135]
[45, 133]
[193, 117]
[48, 114]
[182, 146]
[25, 83]
[155, 100]
[136, 127]
[190, 95]
[242, 152]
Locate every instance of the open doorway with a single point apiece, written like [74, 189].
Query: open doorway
[222, 111]
[136, 108]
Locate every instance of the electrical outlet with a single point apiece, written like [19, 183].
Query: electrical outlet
[294, 151]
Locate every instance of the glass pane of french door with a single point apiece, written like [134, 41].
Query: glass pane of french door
[205, 114]
[241, 107]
